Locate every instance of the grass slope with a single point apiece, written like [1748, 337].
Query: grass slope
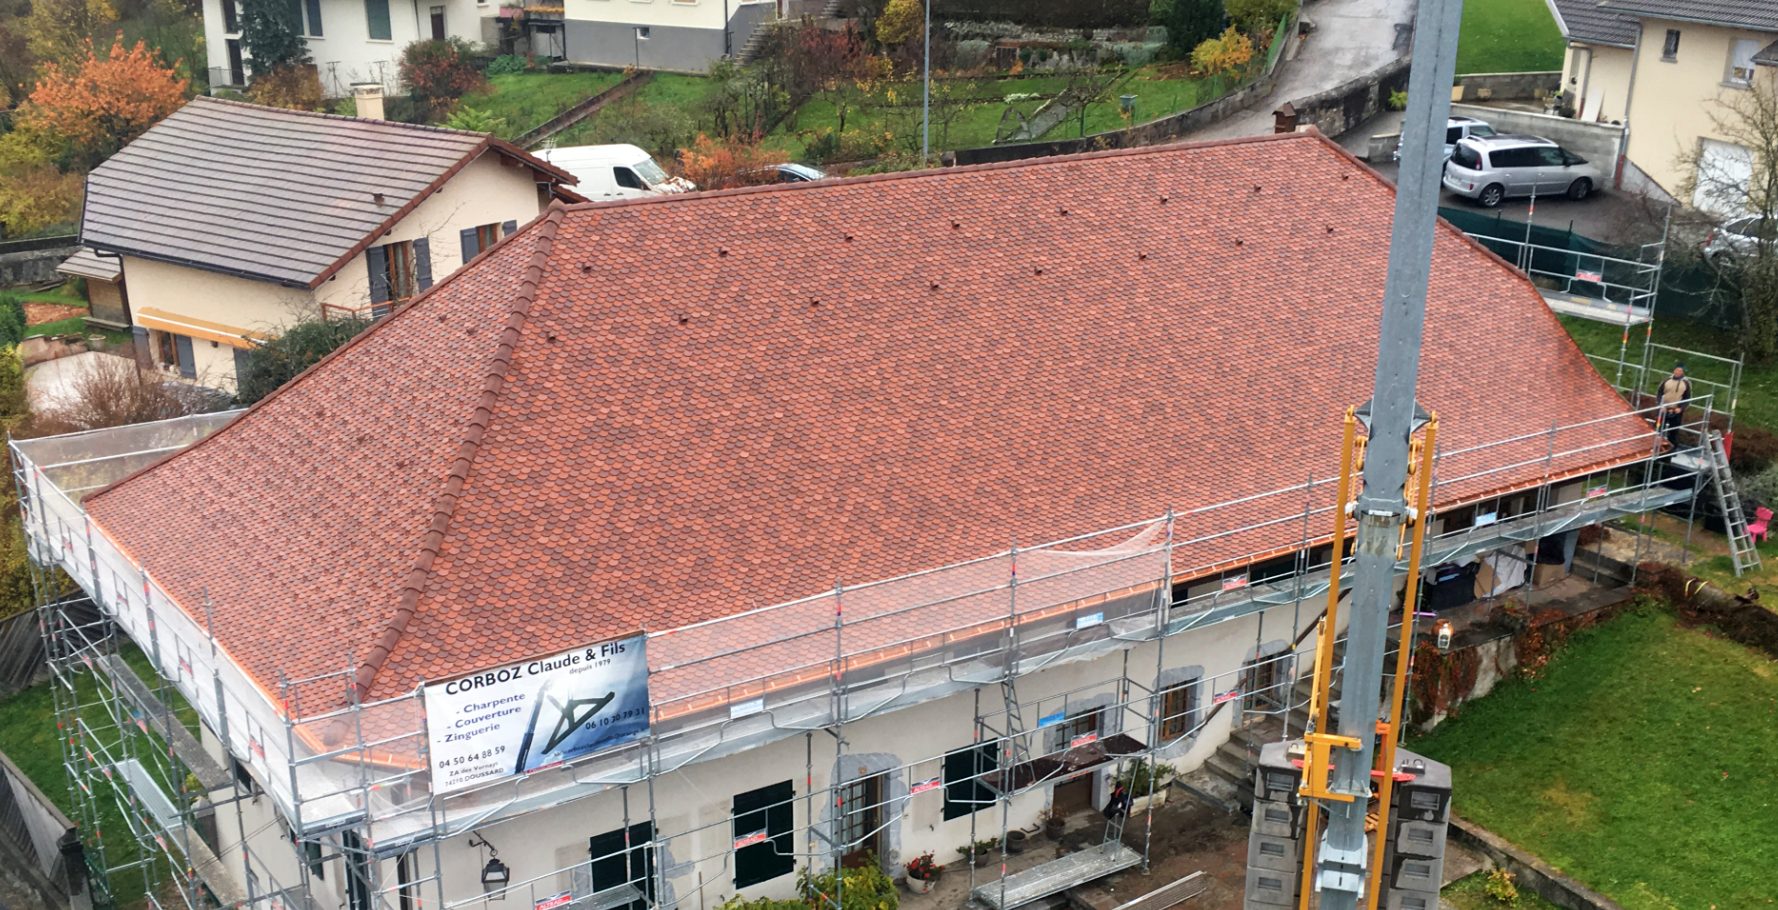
[1641, 764]
[1759, 383]
[1508, 36]
[526, 100]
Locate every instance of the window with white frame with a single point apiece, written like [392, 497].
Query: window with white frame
[1741, 52]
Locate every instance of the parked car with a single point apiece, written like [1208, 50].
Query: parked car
[1738, 237]
[1457, 129]
[1497, 167]
[791, 172]
[614, 171]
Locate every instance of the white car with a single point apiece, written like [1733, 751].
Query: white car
[614, 171]
[1738, 237]
[1502, 166]
[1457, 129]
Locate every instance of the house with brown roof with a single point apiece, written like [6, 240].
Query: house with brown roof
[726, 533]
[1664, 69]
[228, 221]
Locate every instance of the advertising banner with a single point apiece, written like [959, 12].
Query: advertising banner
[534, 714]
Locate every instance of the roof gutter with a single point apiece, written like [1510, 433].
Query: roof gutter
[112, 249]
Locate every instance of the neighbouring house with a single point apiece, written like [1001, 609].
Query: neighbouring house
[685, 35]
[350, 41]
[107, 303]
[1660, 67]
[1596, 66]
[679, 542]
[227, 221]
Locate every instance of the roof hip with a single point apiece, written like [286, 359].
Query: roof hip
[493, 382]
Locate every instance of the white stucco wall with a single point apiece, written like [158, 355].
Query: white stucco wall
[345, 53]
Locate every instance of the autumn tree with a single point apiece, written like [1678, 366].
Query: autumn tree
[97, 105]
[1223, 54]
[902, 21]
[437, 73]
[59, 31]
[272, 34]
[715, 164]
[1744, 180]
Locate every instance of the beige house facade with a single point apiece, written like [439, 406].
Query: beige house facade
[1665, 70]
[346, 236]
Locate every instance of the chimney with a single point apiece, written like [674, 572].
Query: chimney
[369, 98]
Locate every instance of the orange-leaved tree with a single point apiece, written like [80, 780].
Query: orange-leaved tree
[98, 104]
[714, 164]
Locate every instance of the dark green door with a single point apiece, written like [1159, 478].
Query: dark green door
[617, 865]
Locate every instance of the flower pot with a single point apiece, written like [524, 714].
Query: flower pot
[1015, 841]
[1053, 827]
[920, 885]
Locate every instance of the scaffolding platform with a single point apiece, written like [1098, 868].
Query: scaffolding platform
[1056, 876]
[1596, 309]
[185, 746]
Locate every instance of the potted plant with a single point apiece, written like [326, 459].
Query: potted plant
[922, 873]
[1137, 780]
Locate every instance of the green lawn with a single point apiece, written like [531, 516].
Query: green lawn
[1640, 763]
[527, 100]
[666, 97]
[1758, 405]
[1508, 36]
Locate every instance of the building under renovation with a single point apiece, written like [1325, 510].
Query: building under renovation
[675, 545]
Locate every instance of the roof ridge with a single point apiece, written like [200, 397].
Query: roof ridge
[937, 172]
[323, 115]
[445, 505]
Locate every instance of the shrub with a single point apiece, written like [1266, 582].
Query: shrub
[296, 86]
[1189, 22]
[821, 146]
[1223, 54]
[1136, 778]
[298, 348]
[1398, 100]
[437, 73]
[714, 164]
[863, 888]
[1760, 488]
[114, 392]
[506, 63]
[1256, 17]
[901, 22]
[271, 33]
[475, 120]
[1754, 450]
[12, 319]
[1500, 888]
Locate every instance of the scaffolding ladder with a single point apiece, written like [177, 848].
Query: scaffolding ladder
[1742, 552]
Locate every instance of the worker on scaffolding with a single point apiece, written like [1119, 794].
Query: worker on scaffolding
[1672, 396]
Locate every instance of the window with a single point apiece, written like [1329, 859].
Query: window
[481, 237]
[176, 351]
[763, 828]
[1670, 47]
[627, 178]
[1465, 156]
[397, 271]
[237, 68]
[1741, 52]
[1481, 131]
[1519, 157]
[1550, 156]
[438, 23]
[967, 781]
[1178, 704]
[1452, 134]
[376, 15]
[358, 883]
[407, 875]
[618, 872]
[231, 17]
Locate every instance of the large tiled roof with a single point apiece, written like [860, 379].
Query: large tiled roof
[1761, 15]
[1585, 21]
[267, 193]
[652, 413]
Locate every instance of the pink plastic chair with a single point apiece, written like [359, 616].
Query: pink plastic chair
[1762, 519]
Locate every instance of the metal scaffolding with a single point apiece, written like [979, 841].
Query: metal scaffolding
[351, 783]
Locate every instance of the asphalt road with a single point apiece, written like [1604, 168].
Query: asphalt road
[1351, 38]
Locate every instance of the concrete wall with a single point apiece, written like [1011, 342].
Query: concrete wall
[1349, 104]
[34, 266]
[1599, 143]
[1673, 100]
[684, 35]
[1508, 86]
[1598, 76]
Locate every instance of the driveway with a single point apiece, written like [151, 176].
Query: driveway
[1608, 215]
[1351, 38]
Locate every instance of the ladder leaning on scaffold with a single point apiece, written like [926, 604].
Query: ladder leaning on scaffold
[1743, 554]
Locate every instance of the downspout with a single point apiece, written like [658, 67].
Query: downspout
[728, 49]
[1623, 152]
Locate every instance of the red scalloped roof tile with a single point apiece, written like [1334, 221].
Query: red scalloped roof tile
[718, 402]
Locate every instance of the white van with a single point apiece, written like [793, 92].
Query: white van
[614, 171]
